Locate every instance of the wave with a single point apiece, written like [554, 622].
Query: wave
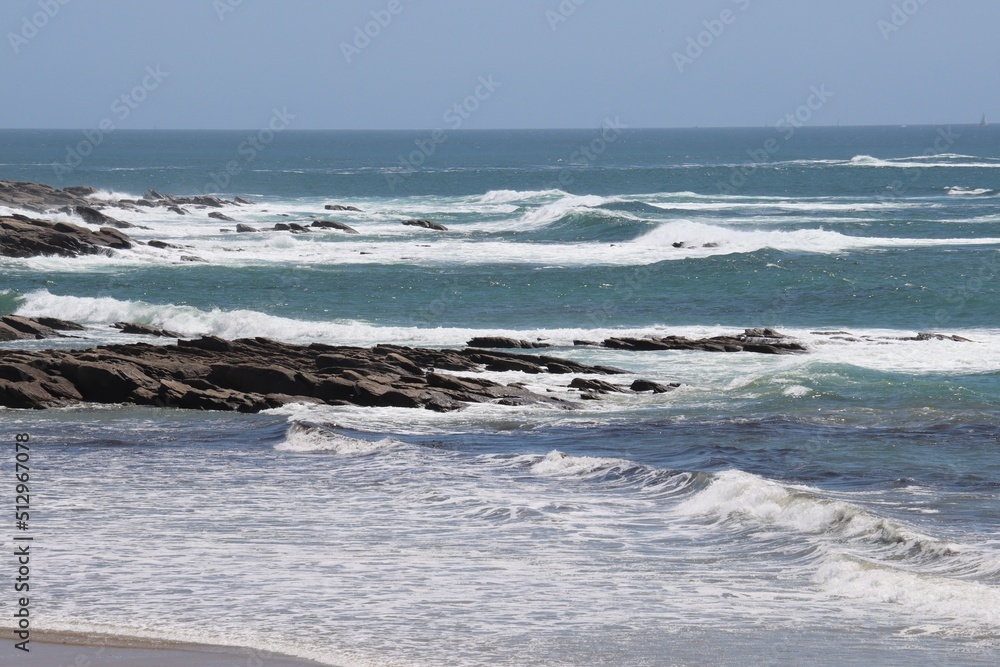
[736, 497]
[925, 162]
[307, 437]
[958, 191]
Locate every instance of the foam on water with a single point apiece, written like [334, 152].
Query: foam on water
[304, 437]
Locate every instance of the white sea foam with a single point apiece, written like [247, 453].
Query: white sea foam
[305, 437]
[876, 349]
[926, 162]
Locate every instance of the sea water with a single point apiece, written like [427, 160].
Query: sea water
[835, 507]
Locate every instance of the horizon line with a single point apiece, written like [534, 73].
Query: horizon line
[492, 129]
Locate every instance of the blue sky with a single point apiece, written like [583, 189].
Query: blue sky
[229, 64]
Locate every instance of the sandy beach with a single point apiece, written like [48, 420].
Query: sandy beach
[50, 649]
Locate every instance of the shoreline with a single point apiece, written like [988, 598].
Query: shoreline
[51, 647]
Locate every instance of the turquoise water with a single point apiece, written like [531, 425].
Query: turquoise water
[838, 507]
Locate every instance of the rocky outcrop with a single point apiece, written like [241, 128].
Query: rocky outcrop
[220, 216]
[21, 236]
[331, 224]
[427, 224]
[500, 342]
[339, 207]
[40, 198]
[250, 375]
[94, 217]
[762, 341]
[144, 330]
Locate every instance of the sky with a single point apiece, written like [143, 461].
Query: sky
[424, 64]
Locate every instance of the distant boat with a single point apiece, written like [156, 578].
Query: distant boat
[983, 122]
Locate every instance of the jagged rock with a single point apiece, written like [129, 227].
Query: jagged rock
[427, 224]
[29, 327]
[220, 216]
[499, 342]
[241, 200]
[932, 336]
[656, 388]
[245, 229]
[250, 375]
[595, 386]
[59, 325]
[213, 202]
[177, 209]
[144, 330]
[94, 217]
[330, 224]
[80, 190]
[192, 258]
[21, 236]
[162, 245]
[153, 195]
[338, 207]
[771, 344]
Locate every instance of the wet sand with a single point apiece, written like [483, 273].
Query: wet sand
[52, 649]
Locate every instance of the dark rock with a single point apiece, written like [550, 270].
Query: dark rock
[162, 245]
[330, 224]
[598, 386]
[94, 217]
[427, 224]
[500, 342]
[220, 216]
[153, 195]
[241, 200]
[656, 388]
[80, 190]
[21, 236]
[585, 343]
[249, 375]
[282, 227]
[213, 202]
[245, 229]
[144, 330]
[772, 343]
[338, 207]
[59, 325]
[29, 327]
[177, 209]
[192, 258]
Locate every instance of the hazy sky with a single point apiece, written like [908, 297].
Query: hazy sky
[547, 63]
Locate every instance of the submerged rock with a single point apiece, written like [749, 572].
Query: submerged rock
[330, 224]
[761, 341]
[427, 224]
[501, 342]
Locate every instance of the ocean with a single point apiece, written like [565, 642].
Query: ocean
[838, 507]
